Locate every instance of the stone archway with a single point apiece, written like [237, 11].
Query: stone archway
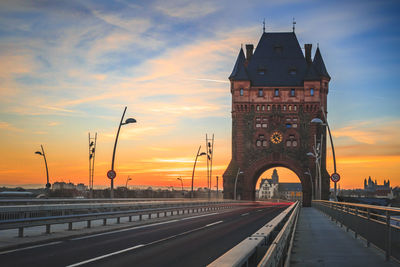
[247, 181]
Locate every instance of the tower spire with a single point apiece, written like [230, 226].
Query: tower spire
[264, 25]
[294, 23]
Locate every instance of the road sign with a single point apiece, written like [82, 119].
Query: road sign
[335, 177]
[111, 174]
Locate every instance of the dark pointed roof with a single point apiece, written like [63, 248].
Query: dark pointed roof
[239, 70]
[281, 56]
[278, 61]
[319, 65]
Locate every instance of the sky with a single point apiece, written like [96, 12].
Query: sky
[68, 68]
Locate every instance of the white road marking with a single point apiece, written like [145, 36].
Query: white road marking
[123, 230]
[245, 214]
[141, 226]
[214, 223]
[142, 245]
[37, 246]
[259, 210]
[106, 255]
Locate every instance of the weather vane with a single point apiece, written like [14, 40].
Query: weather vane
[294, 23]
[264, 25]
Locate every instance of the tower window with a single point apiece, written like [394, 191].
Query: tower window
[262, 107]
[295, 108]
[311, 91]
[258, 107]
[288, 125]
[290, 107]
[292, 71]
[264, 143]
[268, 107]
[258, 143]
[284, 107]
[241, 91]
[260, 92]
[292, 92]
[276, 92]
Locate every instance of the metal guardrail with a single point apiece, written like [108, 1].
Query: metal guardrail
[42, 201]
[378, 225]
[50, 217]
[252, 249]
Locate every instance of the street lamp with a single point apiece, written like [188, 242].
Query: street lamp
[180, 178]
[312, 187]
[111, 174]
[127, 179]
[319, 121]
[237, 175]
[194, 167]
[48, 185]
[317, 157]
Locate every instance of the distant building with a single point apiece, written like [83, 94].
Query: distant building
[68, 186]
[271, 188]
[290, 191]
[372, 186]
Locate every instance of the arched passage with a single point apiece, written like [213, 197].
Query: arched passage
[279, 183]
[248, 179]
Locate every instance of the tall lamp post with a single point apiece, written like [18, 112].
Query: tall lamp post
[319, 121]
[317, 156]
[111, 173]
[194, 167]
[48, 185]
[180, 179]
[127, 180]
[237, 175]
[312, 186]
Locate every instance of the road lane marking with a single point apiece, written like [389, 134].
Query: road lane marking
[245, 214]
[31, 247]
[106, 255]
[259, 210]
[214, 223]
[123, 230]
[143, 245]
[141, 226]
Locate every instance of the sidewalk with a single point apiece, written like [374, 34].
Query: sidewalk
[321, 242]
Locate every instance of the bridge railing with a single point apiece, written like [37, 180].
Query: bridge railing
[378, 225]
[20, 217]
[269, 244]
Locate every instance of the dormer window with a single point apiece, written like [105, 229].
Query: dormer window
[311, 91]
[241, 91]
[260, 92]
[276, 92]
[292, 71]
[261, 71]
[292, 92]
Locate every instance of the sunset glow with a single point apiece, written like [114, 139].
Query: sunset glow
[68, 68]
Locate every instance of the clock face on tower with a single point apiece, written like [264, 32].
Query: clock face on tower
[276, 137]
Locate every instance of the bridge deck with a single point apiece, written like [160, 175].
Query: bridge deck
[321, 242]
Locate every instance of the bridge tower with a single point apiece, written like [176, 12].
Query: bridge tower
[276, 92]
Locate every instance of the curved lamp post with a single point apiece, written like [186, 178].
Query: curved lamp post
[319, 121]
[48, 185]
[127, 121]
[194, 167]
[127, 179]
[312, 186]
[237, 175]
[318, 173]
[180, 179]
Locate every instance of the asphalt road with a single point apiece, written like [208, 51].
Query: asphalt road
[193, 241]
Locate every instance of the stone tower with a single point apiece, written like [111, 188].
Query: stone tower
[276, 92]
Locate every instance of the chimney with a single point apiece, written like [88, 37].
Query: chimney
[249, 51]
[307, 48]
